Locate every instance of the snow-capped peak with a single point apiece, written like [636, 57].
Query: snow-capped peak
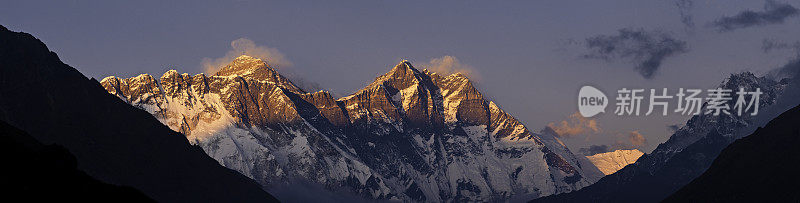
[254, 68]
[244, 65]
[610, 162]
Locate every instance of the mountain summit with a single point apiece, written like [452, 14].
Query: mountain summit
[409, 135]
[250, 67]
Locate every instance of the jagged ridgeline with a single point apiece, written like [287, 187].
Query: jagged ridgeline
[409, 135]
[685, 155]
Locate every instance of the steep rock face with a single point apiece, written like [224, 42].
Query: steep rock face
[684, 156]
[410, 135]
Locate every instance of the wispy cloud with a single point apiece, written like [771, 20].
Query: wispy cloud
[645, 48]
[244, 46]
[773, 13]
[575, 125]
[631, 140]
[789, 70]
[447, 65]
[769, 45]
[595, 149]
[685, 10]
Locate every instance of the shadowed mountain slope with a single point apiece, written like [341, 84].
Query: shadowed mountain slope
[761, 167]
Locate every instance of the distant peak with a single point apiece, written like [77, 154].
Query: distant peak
[458, 75]
[403, 67]
[745, 80]
[245, 57]
[244, 65]
[251, 67]
[170, 72]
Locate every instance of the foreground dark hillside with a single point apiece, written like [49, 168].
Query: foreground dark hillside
[111, 140]
[760, 167]
[37, 172]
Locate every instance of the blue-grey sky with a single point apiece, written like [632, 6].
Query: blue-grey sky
[527, 56]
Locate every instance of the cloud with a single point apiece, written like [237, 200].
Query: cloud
[645, 48]
[768, 45]
[595, 149]
[630, 140]
[271, 56]
[241, 46]
[575, 125]
[773, 13]
[636, 139]
[447, 65]
[685, 9]
[790, 70]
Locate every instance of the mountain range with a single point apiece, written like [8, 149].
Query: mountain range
[57, 114]
[411, 135]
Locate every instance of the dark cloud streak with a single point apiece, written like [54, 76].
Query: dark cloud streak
[774, 13]
[769, 45]
[685, 9]
[595, 149]
[646, 48]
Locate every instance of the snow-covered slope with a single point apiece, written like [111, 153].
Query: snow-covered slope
[612, 161]
[410, 135]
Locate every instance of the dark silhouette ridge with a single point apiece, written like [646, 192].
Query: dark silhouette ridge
[761, 167]
[37, 172]
[111, 140]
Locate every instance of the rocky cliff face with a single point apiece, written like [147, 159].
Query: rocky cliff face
[409, 135]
